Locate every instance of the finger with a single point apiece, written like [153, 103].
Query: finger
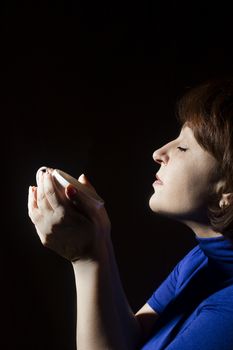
[30, 200]
[41, 169]
[33, 210]
[72, 195]
[32, 203]
[42, 201]
[50, 192]
[93, 194]
[84, 204]
[83, 179]
[34, 191]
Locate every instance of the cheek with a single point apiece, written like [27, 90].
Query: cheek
[169, 198]
[181, 196]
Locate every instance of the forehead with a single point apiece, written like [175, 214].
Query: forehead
[187, 132]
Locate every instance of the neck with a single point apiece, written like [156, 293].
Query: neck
[202, 230]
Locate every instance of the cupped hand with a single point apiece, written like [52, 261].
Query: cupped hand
[67, 221]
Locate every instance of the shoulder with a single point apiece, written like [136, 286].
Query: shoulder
[177, 279]
[221, 301]
[190, 264]
[194, 255]
[210, 326]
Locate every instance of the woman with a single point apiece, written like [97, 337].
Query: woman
[193, 307]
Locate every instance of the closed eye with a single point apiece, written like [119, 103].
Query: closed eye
[182, 149]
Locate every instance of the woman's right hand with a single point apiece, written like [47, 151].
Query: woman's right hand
[69, 224]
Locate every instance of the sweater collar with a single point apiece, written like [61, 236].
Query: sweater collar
[218, 247]
[219, 251]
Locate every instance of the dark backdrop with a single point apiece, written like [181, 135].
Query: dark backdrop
[91, 87]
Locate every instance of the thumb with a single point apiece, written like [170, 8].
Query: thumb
[74, 196]
[86, 194]
[71, 192]
[83, 203]
[83, 179]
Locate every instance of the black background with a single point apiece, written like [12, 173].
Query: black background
[91, 87]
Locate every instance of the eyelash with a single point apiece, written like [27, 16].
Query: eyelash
[182, 149]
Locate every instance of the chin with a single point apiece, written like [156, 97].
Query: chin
[178, 214]
[154, 206]
[151, 204]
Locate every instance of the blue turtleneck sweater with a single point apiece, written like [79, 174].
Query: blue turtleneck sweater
[195, 302]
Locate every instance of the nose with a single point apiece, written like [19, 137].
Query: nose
[161, 156]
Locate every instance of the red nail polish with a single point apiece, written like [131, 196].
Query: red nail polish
[72, 191]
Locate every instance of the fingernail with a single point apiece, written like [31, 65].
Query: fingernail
[81, 178]
[72, 191]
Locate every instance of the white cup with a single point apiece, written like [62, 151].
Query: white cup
[65, 179]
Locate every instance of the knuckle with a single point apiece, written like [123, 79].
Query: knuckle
[36, 217]
[41, 196]
[49, 192]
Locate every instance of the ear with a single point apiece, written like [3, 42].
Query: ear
[226, 200]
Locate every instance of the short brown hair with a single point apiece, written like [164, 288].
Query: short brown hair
[207, 109]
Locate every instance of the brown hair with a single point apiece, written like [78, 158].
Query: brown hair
[207, 109]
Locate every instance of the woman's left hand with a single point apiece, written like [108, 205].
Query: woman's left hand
[68, 222]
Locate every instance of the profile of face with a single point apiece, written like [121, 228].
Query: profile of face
[187, 173]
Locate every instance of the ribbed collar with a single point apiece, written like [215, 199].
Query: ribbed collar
[219, 252]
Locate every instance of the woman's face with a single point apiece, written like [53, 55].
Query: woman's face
[187, 172]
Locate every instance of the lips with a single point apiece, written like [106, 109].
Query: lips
[158, 181]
